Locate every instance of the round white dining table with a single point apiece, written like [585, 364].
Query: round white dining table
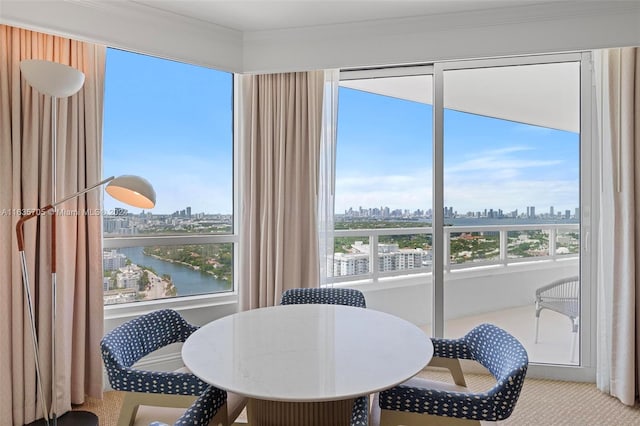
[306, 353]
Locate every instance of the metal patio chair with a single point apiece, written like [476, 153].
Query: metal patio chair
[562, 296]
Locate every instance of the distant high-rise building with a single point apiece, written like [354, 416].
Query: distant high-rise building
[567, 214]
[551, 211]
[531, 212]
[188, 211]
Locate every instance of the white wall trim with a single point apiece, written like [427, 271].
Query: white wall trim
[129, 26]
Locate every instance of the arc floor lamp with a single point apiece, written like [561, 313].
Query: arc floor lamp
[58, 81]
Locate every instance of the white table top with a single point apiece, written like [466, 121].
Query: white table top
[307, 352]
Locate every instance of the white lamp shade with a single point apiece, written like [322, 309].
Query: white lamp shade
[52, 78]
[132, 190]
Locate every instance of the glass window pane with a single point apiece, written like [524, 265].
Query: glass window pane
[512, 196]
[170, 123]
[383, 192]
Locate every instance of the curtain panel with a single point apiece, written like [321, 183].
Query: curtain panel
[280, 134]
[25, 183]
[618, 93]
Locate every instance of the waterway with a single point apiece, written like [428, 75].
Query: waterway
[186, 280]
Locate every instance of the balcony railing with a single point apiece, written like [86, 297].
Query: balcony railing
[465, 247]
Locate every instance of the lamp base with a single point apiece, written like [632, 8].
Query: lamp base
[72, 418]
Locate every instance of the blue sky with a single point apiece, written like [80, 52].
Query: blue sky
[384, 157]
[171, 123]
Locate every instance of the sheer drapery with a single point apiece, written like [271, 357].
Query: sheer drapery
[280, 129]
[326, 187]
[25, 183]
[618, 92]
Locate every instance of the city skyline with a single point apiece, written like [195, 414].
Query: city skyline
[384, 154]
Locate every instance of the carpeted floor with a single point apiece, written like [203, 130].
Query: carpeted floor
[542, 402]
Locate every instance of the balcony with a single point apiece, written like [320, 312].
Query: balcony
[494, 281]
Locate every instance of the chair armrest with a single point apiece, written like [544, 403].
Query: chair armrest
[547, 287]
[557, 283]
[165, 382]
[204, 409]
[191, 329]
[450, 348]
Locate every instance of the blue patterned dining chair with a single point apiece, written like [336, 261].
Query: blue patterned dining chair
[126, 344]
[325, 295]
[421, 402]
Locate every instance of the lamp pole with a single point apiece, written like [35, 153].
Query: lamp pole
[58, 80]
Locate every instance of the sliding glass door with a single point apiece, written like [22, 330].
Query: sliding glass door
[511, 203]
[497, 199]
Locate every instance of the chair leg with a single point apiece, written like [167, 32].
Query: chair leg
[537, 327]
[454, 367]
[574, 340]
[132, 400]
[128, 410]
[573, 347]
[220, 419]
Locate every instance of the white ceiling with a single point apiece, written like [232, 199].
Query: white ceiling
[258, 15]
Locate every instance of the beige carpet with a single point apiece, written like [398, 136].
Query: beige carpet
[542, 402]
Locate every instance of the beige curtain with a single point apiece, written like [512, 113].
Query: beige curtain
[279, 158]
[25, 183]
[619, 258]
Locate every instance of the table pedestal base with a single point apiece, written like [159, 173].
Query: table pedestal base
[275, 413]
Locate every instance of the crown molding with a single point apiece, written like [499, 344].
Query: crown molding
[130, 26]
[540, 28]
